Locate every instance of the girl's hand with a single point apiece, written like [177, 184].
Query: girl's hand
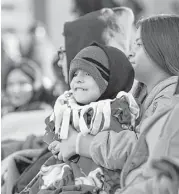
[54, 147]
[68, 146]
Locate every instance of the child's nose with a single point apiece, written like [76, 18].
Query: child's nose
[80, 77]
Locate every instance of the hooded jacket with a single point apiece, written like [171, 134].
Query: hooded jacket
[121, 76]
[106, 26]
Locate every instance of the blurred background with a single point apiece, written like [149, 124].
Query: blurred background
[19, 15]
[31, 35]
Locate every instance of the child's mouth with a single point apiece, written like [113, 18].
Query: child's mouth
[80, 89]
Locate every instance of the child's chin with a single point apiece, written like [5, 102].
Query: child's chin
[81, 101]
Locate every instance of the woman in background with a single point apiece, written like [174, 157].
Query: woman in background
[24, 89]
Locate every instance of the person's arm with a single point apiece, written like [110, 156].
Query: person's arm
[111, 148]
[83, 144]
[68, 147]
[108, 148]
[158, 175]
[166, 171]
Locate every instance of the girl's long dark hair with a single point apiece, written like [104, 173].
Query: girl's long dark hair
[160, 37]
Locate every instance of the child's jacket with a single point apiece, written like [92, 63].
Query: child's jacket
[94, 117]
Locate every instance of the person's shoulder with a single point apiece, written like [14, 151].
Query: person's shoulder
[161, 104]
[173, 120]
[164, 99]
[166, 89]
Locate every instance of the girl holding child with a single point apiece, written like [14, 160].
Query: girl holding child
[155, 61]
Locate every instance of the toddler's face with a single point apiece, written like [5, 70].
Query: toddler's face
[84, 87]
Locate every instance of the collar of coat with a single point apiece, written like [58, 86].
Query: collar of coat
[166, 86]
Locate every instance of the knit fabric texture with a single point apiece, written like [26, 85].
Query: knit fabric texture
[93, 60]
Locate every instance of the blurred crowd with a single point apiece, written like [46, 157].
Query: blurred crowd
[29, 78]
[32, 47]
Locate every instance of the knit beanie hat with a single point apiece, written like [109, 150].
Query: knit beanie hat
[93, 60]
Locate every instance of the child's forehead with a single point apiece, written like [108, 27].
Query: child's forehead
[80, 70]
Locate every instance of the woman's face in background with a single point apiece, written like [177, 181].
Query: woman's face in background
[140, 60]
[19, 88]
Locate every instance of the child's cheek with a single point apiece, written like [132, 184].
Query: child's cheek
[71, 84]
